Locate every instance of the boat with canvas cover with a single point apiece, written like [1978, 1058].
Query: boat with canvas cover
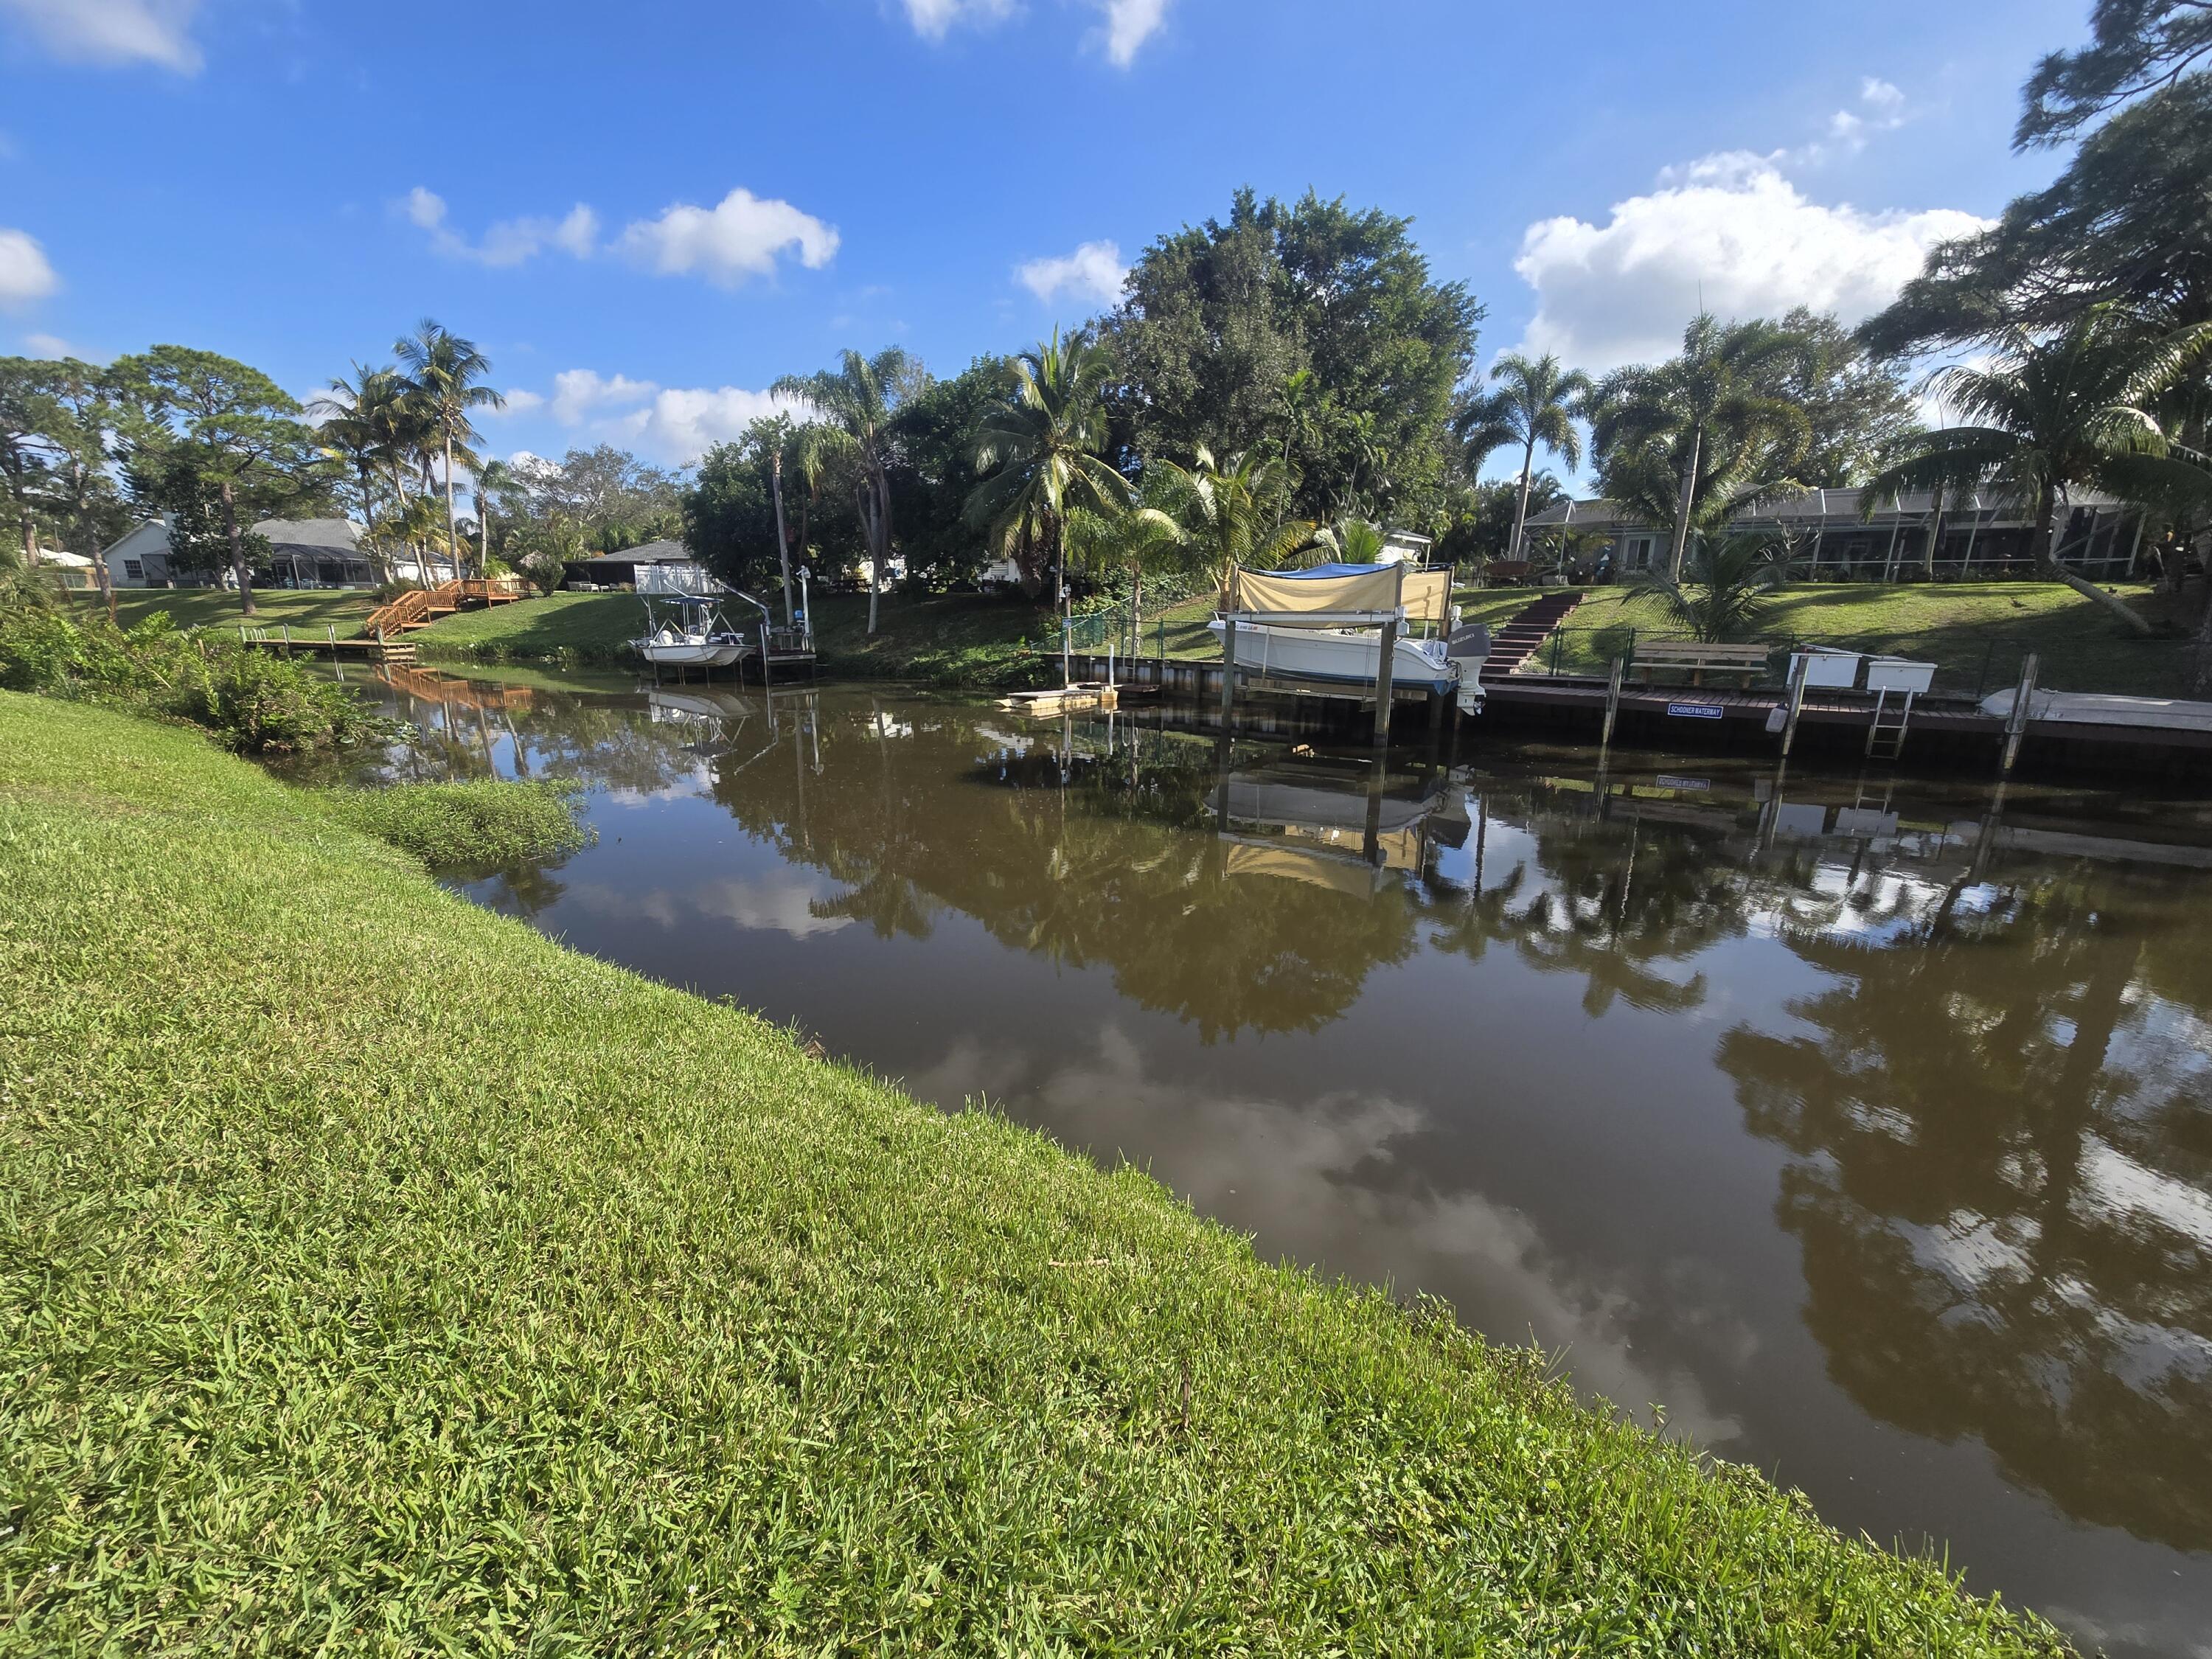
[1321, 624]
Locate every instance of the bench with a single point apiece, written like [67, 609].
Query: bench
[1507, 573]
[1699, 658]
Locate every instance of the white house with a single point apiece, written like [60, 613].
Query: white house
[302, 553]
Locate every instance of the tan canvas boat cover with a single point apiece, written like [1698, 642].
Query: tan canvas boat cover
[1283, 598]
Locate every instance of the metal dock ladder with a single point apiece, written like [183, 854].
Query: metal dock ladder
[1885, 733]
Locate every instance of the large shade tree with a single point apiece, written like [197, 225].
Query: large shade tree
[2054, 413]
[444, 376]
[857, 402]
[198, 422]
[1038, 453]
[28, 413]
[1531, 402]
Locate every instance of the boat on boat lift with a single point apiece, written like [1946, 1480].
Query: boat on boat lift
[685, 627]
[1444, 666]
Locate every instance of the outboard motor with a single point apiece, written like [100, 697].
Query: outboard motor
[1469, 647]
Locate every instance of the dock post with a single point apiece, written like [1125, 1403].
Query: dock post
[2016, 722]
[1385, 666]
[1796, 704]
[1228, 663]
[1611, 701]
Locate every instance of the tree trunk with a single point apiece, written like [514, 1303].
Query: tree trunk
[2046, 561]
[30, 540]
[237, 551]
[484, 534]
[1521, 509]
[452, 528]
[2204, 640]
[782, 541]
[863, 499]
[1682, 511]
[1934, 539]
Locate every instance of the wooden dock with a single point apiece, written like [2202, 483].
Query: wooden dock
[355, 648]
[1064, 699]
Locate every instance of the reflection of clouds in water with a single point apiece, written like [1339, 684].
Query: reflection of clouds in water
[1323, 1181]
[694, 785]
[781, 904]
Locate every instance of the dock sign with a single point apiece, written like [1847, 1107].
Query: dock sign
[1695, 711]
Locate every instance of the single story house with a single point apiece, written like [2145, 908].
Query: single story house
[620, 569]
[302, 553]
[1987, 534]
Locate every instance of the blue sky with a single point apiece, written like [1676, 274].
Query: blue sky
[646, 214]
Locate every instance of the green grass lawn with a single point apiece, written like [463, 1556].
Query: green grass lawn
[308, 610]
[1975, 632]
[378, 1275]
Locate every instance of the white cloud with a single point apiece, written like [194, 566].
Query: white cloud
[1093, 271]
[1730, 230]
[933, 19]
[53, 347]
[683, 423]
[506, 241]
[580, 391]
[740, 236]
[25, 275]
[1129, 24]
[112, 31]
[518, 401]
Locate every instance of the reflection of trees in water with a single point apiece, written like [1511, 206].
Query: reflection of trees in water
[2001, 1186]
[1085, 863]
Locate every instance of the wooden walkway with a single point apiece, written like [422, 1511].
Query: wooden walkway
[363, 647]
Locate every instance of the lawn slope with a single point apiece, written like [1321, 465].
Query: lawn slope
[378, 1275]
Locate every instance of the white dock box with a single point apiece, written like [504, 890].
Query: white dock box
[1899, 674]
[1826, 665]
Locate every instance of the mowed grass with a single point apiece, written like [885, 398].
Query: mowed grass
[308, 610]
[1975, 633]
[378, 1276]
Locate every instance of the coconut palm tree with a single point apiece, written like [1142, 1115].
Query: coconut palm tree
[493, 479]
[1533, 403]
[1702, 418]
[1232, 513]
[1725, 586]
[856, 401]
[1039, 452]
[2074, 409]
[444, 378]
[351, 429]
[1349, 541]
[1143, 536]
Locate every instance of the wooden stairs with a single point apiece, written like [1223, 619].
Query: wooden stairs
[1518, 642]
[419, 607]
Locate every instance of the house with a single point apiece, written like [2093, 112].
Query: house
[1986, 534]
[620, 569]
[302, 553]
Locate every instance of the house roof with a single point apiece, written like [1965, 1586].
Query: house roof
[311, 535]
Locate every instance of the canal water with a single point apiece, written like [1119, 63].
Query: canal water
[1856, 1127]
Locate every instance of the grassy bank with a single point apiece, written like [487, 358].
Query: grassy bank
[308, 611]
[483, 824]
[379, 1275]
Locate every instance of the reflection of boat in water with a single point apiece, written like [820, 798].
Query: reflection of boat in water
[1310, 825]
[696, 703]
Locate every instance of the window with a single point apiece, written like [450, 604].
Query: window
[135, 570]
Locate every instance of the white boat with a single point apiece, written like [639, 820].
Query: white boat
[672, 648]
[1348, 656]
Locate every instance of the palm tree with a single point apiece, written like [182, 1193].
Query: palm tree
[1232, 513]
[444, 378]
[857, 400]
[1534, 403]
[1142, 536]
[492, 479]
[2077, 408]
[1703, 419]
[1350, 541]
[1039, 450]
[352, 430]
[1725, 588]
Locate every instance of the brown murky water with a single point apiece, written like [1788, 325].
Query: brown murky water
[1862, 1127]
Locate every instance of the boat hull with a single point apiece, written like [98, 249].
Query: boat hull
[709, 654]
[1347, 656]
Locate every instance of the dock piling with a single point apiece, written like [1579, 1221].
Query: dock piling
[2016, 722]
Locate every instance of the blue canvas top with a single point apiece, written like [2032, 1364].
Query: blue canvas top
[1330, 570]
